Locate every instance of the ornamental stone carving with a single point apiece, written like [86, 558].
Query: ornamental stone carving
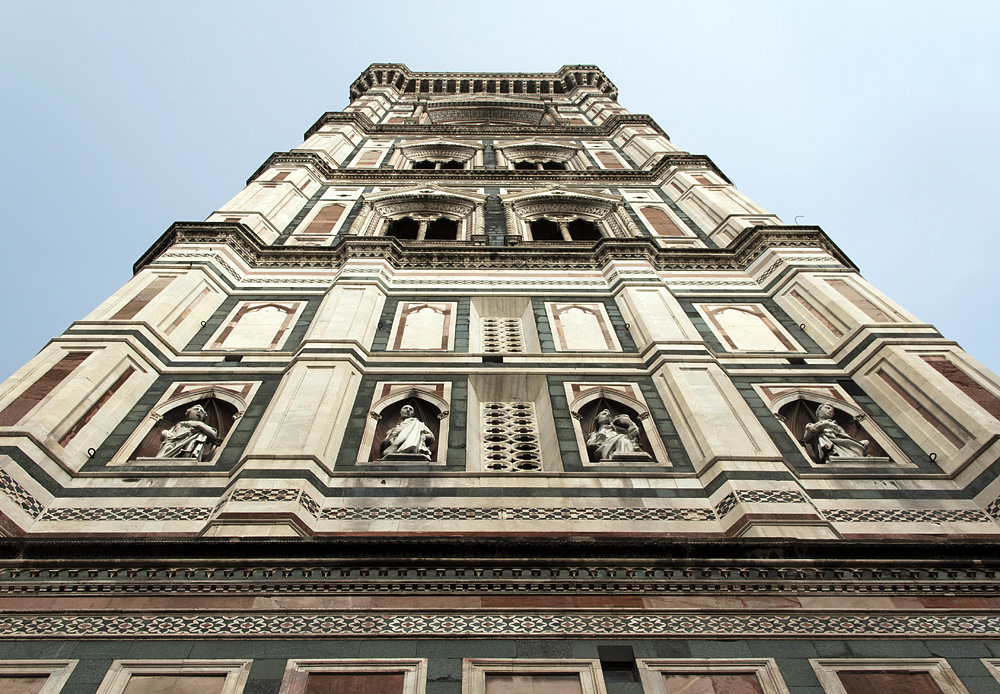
[189, 438]
[409, 439]
[829, 439]
[615, 438]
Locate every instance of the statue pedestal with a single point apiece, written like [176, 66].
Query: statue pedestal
[186, 462]
[630, 458]
[405, 458]
[854, 461]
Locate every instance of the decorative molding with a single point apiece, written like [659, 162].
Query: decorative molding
[466, 256]
[494, 625]
[128, 513]
[905, 515]
[486, 177]
[20, 496]
[523, 513]
[757, 496]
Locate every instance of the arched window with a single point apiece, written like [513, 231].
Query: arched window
[423, 229]
[442, 229]
[536, 165]
[430, 164]
[422, 213]
[583, 230]
[405, 229]
[577, 229]
[545, 230]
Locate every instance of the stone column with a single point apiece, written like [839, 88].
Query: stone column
[360, 223]
[479, 219]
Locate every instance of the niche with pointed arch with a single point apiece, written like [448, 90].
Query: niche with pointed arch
[171, 433]
[393, 436]
[626, 435]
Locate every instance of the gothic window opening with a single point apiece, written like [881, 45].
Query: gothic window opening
[510, 437]
[547, 165]
[545, 230]
[583, 230]
[576, 230]
[798, 414]
[441, 229]
[405, 229]
[428, 165]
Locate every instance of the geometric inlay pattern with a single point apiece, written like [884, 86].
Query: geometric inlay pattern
[309, 504]
[906, 515]
[20, 496]
[264, 495]
[526, 513]
[757, 496]
[129, 513]
[994, 508]
[619, 625]
[502, 335]
[510, 437]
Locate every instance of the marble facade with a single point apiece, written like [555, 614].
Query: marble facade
[405, 333]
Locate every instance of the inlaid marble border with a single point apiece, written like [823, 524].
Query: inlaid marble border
[481, 624]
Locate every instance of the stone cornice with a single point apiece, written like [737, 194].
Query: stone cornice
[572, 77]
[489, 177]
[795, 558]
[463, 256]
[365, 124]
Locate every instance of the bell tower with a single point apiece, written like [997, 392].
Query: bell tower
[487, 386]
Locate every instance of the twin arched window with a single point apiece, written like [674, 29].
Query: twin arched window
[422, 229]
[438, 165]
[578, 229]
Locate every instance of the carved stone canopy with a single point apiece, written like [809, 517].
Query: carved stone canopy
[438, 150]
[430, 199]
[486, 110]
[537, 150]
[555, 202]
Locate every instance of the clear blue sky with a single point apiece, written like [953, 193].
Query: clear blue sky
[875, 120]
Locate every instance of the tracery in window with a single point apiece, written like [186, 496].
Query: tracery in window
[422, 213]
[531, 155]
[437, 154]
[510, 437]
[559, 214]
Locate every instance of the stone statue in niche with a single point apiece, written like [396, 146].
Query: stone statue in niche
[829, 438]
[409, 439]
[189, 438]
[614, 438]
